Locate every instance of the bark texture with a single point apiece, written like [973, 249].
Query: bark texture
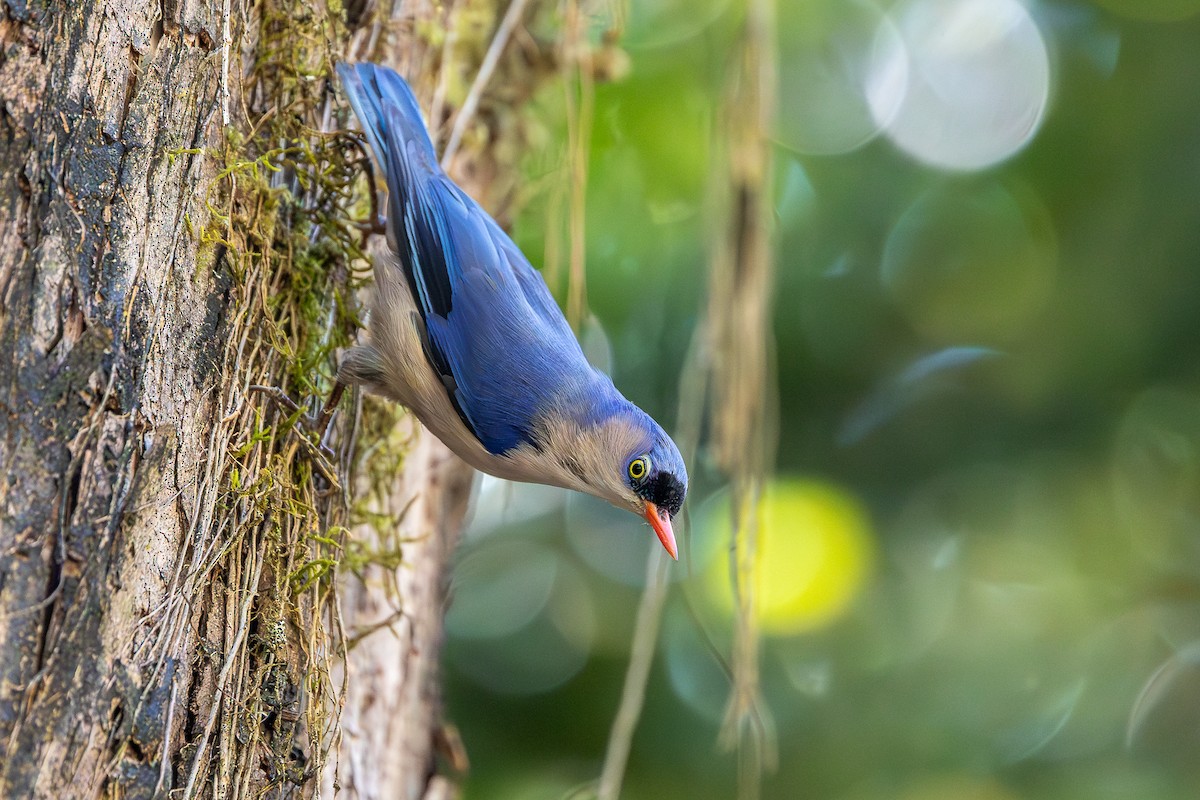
[194, 601]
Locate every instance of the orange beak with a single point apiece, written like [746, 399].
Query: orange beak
[662, 526]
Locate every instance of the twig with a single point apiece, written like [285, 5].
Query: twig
[439, 92]
[739, 304]
[579, 135]
[164, 753]
[512, 18]
[634, 692]
[218, 697]
[276, 394]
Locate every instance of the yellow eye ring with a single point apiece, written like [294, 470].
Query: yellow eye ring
[639, 467]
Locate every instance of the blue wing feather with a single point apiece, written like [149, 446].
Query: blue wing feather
[494, 332]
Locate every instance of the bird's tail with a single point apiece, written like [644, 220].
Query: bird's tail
[389, 115]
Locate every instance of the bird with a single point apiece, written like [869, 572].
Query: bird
[464, 332]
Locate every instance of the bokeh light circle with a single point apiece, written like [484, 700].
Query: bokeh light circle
[971, 263]
[615, 542]
[695, 676]
[500, 587]
[542, 654]
[978, 82]
[842, 73]
[815, 553]
[610, 540]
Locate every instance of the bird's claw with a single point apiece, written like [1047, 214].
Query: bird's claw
[317, 426]
[375, 226]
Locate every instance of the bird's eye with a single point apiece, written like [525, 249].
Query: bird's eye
[639, 467]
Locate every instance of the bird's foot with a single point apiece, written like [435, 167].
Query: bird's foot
[323, 419]
[316, 426]
[377, 225]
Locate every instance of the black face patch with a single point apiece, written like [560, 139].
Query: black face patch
[664, 490]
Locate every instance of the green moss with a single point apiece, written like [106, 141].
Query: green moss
[284, 216]
[283, 224]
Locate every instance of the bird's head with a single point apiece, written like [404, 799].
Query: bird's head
[617, 453]
[658, 481]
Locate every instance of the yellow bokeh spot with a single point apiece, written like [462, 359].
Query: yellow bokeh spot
[814, 554]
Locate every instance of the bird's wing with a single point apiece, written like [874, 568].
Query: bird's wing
[493, 331]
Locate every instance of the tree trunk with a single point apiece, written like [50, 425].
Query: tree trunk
[194, 600]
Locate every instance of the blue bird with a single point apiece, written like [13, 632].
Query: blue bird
[464, 332]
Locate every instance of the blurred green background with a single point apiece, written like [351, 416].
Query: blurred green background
[980, 574]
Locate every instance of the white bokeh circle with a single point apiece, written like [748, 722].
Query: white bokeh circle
[842, 73]
[978, 82]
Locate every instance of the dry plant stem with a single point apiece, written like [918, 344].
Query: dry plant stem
[739, 310]
[633, 694]
[222, 681]
[577, 70]
[512, 18]
[276, 394]
[690, 418]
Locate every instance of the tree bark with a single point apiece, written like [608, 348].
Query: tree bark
[194, 600]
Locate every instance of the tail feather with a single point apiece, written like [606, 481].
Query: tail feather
[373, 92]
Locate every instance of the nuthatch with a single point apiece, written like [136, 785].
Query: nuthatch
[464, 332]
